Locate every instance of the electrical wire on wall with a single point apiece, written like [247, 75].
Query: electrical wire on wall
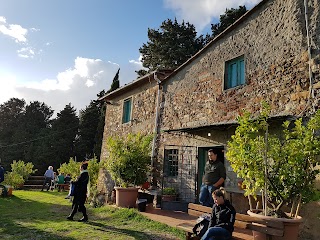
[311, 90]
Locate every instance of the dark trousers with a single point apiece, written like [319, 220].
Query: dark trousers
[47, 180]
[78, 207]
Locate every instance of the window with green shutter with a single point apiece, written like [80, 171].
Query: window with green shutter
[235, 73]
[126, 114]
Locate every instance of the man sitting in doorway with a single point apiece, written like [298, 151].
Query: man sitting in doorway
[213, 178]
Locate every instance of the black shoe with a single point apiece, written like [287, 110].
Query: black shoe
[84, 219]
[70, 218]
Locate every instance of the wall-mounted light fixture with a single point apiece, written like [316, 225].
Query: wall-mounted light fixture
[209, 134]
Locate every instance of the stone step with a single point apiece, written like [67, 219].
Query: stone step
[33, 182]
[32, 186]
[36, 178]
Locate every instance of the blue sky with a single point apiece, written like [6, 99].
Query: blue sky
[66, 51]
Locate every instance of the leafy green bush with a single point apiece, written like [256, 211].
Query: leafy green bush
[169, 191]
[283, 164]
[12, 179]
[73, 168]
[23, 169]
[128, 159]
[20, 172]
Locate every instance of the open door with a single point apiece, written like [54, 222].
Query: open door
[203, 158]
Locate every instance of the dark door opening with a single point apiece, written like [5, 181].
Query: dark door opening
[203, 158]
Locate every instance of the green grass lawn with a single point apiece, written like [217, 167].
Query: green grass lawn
[42, 215]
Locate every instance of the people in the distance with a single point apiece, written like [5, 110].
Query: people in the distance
[67, 178]
[213, 178]
[80, 194]
[48, 178]
[60, 180]
[1, 173]
[222, 218]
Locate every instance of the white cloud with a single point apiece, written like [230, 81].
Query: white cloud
[137, 62]
[2, 19]
[77, 85]
[15, 31]
[201, 12]
[19, 35]
[7, 89]
[26, 52]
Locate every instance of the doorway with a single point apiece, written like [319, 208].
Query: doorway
[203, 158]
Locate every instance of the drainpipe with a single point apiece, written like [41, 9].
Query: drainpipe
[156, 129]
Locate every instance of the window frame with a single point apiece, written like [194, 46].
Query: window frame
[171, 162]
[126, 114]
[239, 79]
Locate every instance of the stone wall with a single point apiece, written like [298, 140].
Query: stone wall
[144, 99]
[272, 39]
[274, 45]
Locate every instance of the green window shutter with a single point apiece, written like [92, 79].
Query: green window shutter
[235, 74]
[126, 115]
[241, 72]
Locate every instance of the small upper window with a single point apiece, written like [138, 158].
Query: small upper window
[126, 114]
[234, 75]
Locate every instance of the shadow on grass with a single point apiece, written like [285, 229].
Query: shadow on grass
[17, 214]
[42, 215]
[132, 233]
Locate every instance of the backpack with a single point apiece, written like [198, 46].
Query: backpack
[201, 226]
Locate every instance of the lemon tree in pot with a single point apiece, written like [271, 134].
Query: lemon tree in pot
[281, 164]
[128, 163]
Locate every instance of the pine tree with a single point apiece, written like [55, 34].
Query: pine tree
[170, 46]
[226, 19]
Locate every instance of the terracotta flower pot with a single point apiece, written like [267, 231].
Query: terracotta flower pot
[169, 198]
[241, 186]
[291, 227]
[126, 197]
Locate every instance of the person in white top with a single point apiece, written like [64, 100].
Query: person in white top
[48, 177]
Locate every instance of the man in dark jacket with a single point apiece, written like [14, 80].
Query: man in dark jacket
[213, 178]
[222, 218]
[80, 194]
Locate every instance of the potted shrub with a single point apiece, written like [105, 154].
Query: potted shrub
[20, 172]
[281, 165]
[128, 163]
[169, 194]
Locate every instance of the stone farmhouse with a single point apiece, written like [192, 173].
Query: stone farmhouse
[271, 53]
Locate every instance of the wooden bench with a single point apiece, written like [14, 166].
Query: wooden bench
[243, 226]
[64, 186]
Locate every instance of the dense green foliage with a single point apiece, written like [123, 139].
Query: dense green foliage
[20, 172]
[73, 168]
[115, 82]
[129, 158]
[227, 19]
[173, 44]
[170, 46]
[85, 140]
[289, 158]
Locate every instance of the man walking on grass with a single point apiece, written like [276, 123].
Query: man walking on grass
[48, 177]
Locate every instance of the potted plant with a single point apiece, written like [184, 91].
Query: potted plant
[20, 172]
[128, 163]
[169, 194]
[280, 165]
